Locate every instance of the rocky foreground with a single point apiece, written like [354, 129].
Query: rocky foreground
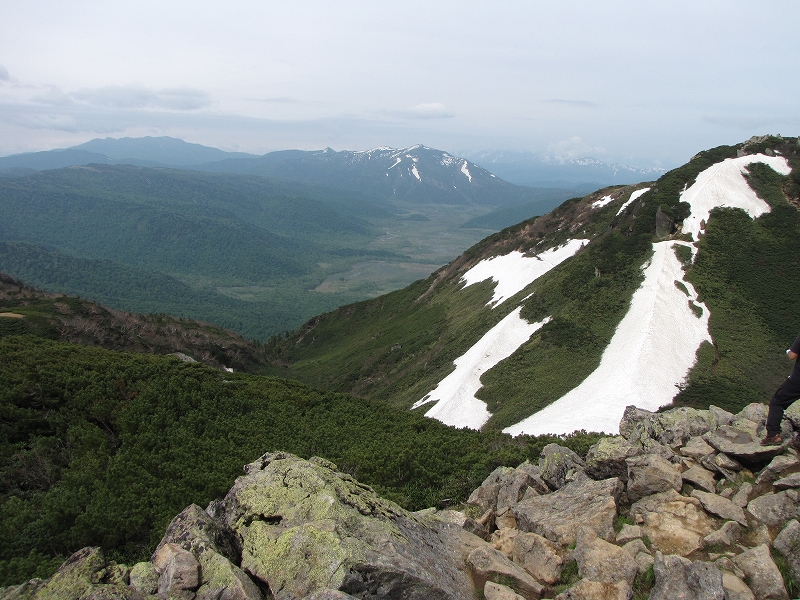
[683, 504]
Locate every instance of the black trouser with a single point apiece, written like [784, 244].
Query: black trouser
[784, 396]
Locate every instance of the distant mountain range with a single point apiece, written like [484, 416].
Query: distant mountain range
[403, 172]
[536, 170]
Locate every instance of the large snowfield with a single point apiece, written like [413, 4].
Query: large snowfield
[653, 348]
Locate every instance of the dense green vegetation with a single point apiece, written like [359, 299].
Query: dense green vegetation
[746, 272]
[104, 448]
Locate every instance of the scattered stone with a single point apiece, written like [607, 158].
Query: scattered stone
[787, 543]
[717, 505]
[559, 515]
[599, 560]
[674, 524]
[700, 477]
[488, 564]
[634, 547]
[742, 497]
[178, 572]
[628, 533]
[761, 573]
[651, 474]
[606, 458]
[143, 578]
[773, 509]
[586, 589]
[727, 535]
[634, 420]
[744, 445]
[503, 540]
[696, 448]
[675, 427]
[539, 556]
[677, 577]
[792, 481]
[779, 465]
[558, 465]
[497, 591]
[735, 588]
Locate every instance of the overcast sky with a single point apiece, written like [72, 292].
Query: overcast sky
[643, 83]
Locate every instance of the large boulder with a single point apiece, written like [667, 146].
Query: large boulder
[305, 526]
[650, 474]
[489, 564]
[559, 515]
[675, 524]
[741, 444]
[787, 543]
[538, 556]
[558, 465]
[762, 574]
[599, 560]
[606, 458]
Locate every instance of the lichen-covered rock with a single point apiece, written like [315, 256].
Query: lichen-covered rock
[143, 578]
[650, 474]
[558, 465]
[178, 572]
[677, 577]
[485, 496]
[76, 577]
[196, 531]
[743, 445]
[304, 527]
[223, 580]
[787, 542]
[559, 515]
[606, 458]
[635, 422]
[675, 427]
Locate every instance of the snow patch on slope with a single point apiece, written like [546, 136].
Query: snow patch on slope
[455, 399]
[651, 352]
[723, 184]
[602, 202]
[465, 171]
[515, 271]
[415, 172]
[632, 199]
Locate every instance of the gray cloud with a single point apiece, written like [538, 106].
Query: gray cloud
[427, 110]
[4, 76]
[573, 103]
[129, 97]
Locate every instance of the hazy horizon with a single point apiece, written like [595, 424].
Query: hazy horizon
[642, 85]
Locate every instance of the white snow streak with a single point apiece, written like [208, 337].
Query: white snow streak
[632, 199]
[415, 172]
[465, 171]
[399, 160]
[723, 184]
[602, 202]
[455, 399]
[651, 352]
[515, 271]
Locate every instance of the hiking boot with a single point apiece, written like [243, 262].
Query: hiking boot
[772, 440]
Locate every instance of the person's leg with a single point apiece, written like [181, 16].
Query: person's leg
[784, 396]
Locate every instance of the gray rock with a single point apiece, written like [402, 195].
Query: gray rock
[674, 524]
[196, 531]
[735, 588]
[743, 445]
[721, 416]
[540, 557]
[328, 594]
[628, 533]
[503, 540]
[489, 565]
[773, 509]
[717, 505]
[791, 481]
[727, 535]
[513, 486]
[587, 589]
[606, 458]
[700, 477]
[675, 427]
[486, 495]
[696, 448]
[787, 543]
[761, 573]
[755, 412]
[634, 547]
[497, 591]
[677, 577]
[599, 560]
[742, 496]
[634, 420]
[777, 467]
[651, 474]
[559, 515]
[558, 465]
[178, 572]
[220, 579]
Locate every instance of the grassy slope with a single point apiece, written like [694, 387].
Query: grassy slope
[399, 346]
